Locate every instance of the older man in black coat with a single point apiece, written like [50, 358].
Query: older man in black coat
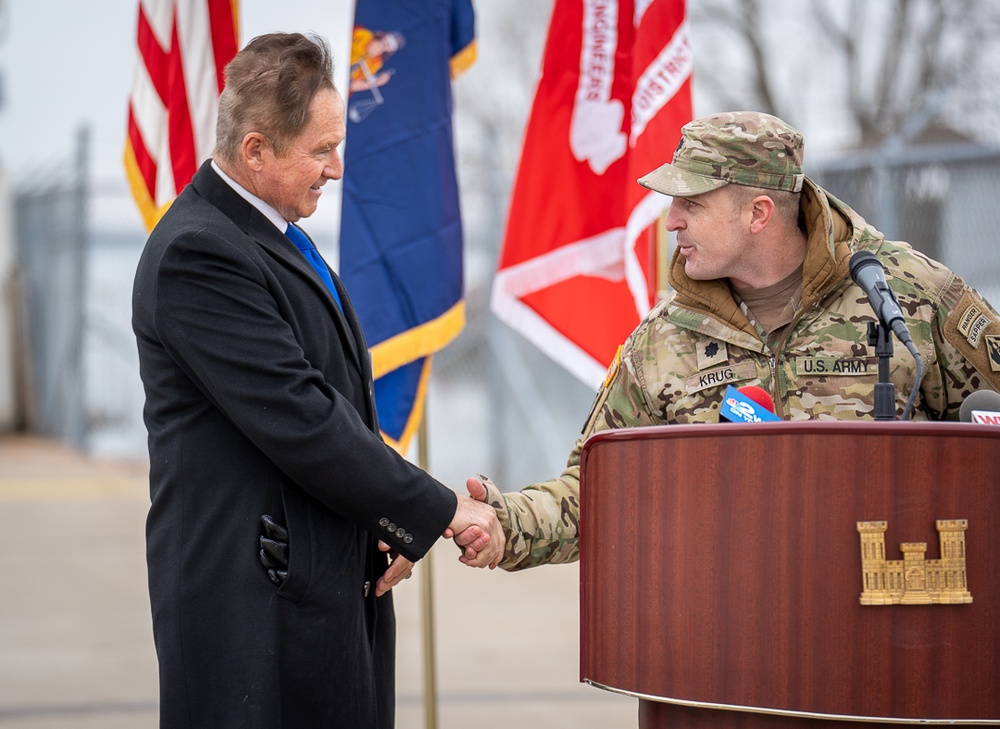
[262, 423]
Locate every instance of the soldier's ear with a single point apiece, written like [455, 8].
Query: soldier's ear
[760, 210]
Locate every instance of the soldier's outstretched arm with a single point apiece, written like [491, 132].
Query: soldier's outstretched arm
[540, 522]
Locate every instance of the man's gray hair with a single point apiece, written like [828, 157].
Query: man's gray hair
[270, 85]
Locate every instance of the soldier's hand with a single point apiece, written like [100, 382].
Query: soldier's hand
[476, 489]
[472, 541]
[477, 532]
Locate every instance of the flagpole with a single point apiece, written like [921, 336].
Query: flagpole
[427, 600]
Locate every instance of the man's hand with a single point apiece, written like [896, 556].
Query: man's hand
[400, 568]
[274, 549]
[476, 530]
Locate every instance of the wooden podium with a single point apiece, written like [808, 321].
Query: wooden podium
[722, 573]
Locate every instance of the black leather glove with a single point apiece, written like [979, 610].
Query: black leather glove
[274, 549]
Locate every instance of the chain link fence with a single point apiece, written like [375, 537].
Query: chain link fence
[51, 234]
[940, 199]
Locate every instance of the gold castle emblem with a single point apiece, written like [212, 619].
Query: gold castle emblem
[914, 580]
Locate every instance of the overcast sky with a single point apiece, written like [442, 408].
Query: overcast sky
[66, 63]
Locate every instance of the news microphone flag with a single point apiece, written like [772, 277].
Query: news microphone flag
[738, 408]
[981, 406]
[183, 47]
[576, 265]
[401, 228]
[986, 417]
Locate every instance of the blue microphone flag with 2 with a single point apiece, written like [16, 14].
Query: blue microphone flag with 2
[738, 408]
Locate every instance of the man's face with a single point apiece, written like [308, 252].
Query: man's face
[711, 235]
[292, 183]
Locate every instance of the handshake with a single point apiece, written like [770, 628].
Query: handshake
[475, 529]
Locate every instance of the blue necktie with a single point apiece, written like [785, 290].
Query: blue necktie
[302, 242]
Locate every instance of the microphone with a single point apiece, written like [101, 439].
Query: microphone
[981, 406]
[759, 395]
[749, 404]
[868, 273]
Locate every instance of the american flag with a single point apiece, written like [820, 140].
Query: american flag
[183, 47]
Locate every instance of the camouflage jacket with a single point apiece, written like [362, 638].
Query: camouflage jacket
[675, 366]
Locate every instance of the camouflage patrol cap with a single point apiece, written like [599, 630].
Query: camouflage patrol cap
[741, 147]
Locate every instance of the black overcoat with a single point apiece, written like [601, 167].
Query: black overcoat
[259, 401]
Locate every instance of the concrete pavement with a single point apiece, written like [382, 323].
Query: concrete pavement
[76, 649]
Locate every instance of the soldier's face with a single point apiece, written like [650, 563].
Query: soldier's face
[711, 235]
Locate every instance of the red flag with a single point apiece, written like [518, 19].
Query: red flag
[576, 263]
[183, 47]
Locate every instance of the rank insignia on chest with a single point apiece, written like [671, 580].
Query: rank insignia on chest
[711, 354]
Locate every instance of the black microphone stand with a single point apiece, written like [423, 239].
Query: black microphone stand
[880, 337]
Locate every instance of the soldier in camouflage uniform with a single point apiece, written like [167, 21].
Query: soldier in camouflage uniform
[760, 294]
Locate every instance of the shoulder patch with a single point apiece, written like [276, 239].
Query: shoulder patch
[992, 342]
[602, 394]
[613, 367]
[972, 323]
[973, 328]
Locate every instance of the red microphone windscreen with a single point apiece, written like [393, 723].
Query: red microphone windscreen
[760, 396]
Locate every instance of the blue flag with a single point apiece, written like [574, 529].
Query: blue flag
[401, 228]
